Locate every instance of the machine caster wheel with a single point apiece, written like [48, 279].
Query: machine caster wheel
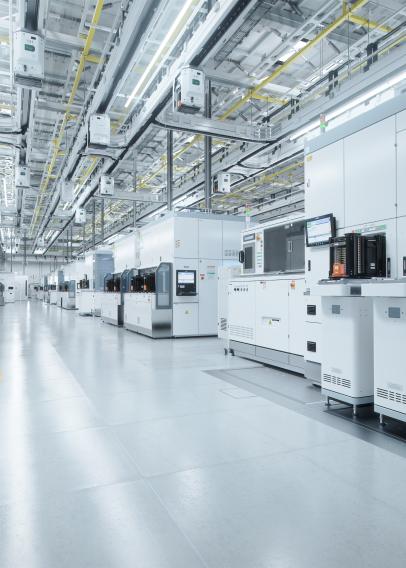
[232, 352]
[225, 351]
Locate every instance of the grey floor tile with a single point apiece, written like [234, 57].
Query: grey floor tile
[376, 472]
[281, 511]
[175, 444]
[50, 415]
[119, 526]
[34, 467]
[135, 406]
[294, 429]
[230, 481]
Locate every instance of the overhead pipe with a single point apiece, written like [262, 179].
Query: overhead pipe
[231, 16]
[207, 151]
[79, 71]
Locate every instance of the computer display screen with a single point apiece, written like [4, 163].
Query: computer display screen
[320, 230]
[186, 277]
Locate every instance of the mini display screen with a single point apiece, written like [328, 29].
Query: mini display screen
[29, 47]
[319, 230]
[186, 277]
[186, 282]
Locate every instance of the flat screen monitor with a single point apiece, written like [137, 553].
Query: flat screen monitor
[320, 230]
[186, 282]
[186, 277]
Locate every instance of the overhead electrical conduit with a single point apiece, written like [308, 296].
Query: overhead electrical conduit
[346, 15]
[79, 71]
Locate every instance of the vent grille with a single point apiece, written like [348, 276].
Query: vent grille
[242, 331]
[391, 395]
[223, 324]
[338, 381]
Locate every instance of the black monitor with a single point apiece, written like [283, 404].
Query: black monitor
[186, 283]
[319, 230]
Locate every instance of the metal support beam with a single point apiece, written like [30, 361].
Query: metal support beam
[25, 252]
[169, 169]
[102, 220]
[207, 152]
[71, 242]
[141, 196]
[134, 214]
[94, 224]
[11, 254]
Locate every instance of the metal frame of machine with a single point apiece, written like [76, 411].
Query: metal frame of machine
[112, 300]
[91, 273]
[196, 245]
[266, 303]
[148, 303]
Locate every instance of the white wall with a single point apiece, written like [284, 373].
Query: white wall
[35, 271]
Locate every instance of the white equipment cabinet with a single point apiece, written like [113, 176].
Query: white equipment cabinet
[106, 185]
[85, 302]
[188, 91]
[93, 269]
[99, 131]
[111, 308]
[142, 315]
[266, 303]
[313, 339]
[68, 301]
[347, 355]
[80, 216]
[97, 302]
[389, 309]
[29, 50]
[196, 246]
[22, 176]
[226, 274]
[266, 319]
[222, 183]
[9, 293]
[343, 180]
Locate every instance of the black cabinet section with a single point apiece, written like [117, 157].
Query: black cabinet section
[284, 248]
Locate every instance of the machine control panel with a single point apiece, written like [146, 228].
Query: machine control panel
[259, 252]
[186, 283]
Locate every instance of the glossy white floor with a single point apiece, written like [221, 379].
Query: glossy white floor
[118, 451]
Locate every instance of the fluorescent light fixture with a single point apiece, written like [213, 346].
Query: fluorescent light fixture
[351, 104]
[189, 4]
[305, 130]
[368, 95]
[297, 47]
